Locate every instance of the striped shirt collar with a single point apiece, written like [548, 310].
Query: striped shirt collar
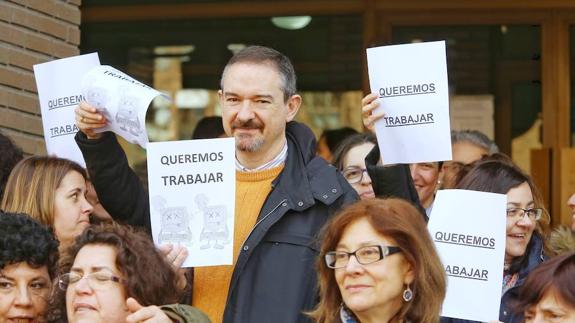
[277, 161]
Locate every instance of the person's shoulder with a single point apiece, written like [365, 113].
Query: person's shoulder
[327, 183]
[185, 313]
[302, 139]
[562, 240]
[535, 257]
[537, 252]
[444, 319]
[299, 129]
[318, 167]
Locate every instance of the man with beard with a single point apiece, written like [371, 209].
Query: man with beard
[284, 193]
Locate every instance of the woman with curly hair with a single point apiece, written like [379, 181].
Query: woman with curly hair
[28, 256]
[113, 273]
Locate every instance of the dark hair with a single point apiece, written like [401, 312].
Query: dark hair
[266, 55]
[10, 156]
[22, 239]
[554, 275]
[348, 144]
[209, 127]
[149, 278]
[499, 174]
[334, 138]
[398, 220]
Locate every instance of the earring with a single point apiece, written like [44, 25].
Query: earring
[407, 294]
[345, 314]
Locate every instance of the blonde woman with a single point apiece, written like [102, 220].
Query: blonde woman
[53, 191]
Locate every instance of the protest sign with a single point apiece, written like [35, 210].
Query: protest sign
[59, 93]
[192, 197]
[411, 83]
[121, 99]
[468, 228]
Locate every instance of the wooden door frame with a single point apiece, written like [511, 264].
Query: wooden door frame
[381, 16]
[555, 70]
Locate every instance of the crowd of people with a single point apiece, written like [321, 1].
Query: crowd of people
[323, 234]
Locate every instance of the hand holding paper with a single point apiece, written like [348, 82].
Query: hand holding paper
[121, 100]
[88, 119]
[411, 81]
[370, 112]
[175, 256]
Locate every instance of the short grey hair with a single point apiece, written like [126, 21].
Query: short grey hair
[476, 138]
[266, 55]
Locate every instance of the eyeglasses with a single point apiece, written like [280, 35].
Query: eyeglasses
[354, 174]
[364, 255]
[100, 280]
[517, 213]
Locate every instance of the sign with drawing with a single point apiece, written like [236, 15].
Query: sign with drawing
[192, 197]
[121, 99]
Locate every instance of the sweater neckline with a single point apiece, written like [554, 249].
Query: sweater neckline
[258, 176]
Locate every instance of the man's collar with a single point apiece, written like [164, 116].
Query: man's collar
[276, 161]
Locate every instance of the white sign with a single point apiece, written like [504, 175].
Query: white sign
[59, 92]
[122, 100]
[468, 228]
[411, 81]
[192, 197]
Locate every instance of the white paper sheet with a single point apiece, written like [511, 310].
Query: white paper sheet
[59, 93]
[468, 229]
[123, 100]
[192, 197]
[411, 81]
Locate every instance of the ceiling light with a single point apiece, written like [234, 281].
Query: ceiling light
[234, 48]
[291, 22]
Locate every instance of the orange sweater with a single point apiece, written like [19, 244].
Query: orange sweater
[211, 283]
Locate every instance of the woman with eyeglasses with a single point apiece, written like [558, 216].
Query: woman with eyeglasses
[379, 264]
[525, 246]
[349, 158]
[113, 273]
[28, 259]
